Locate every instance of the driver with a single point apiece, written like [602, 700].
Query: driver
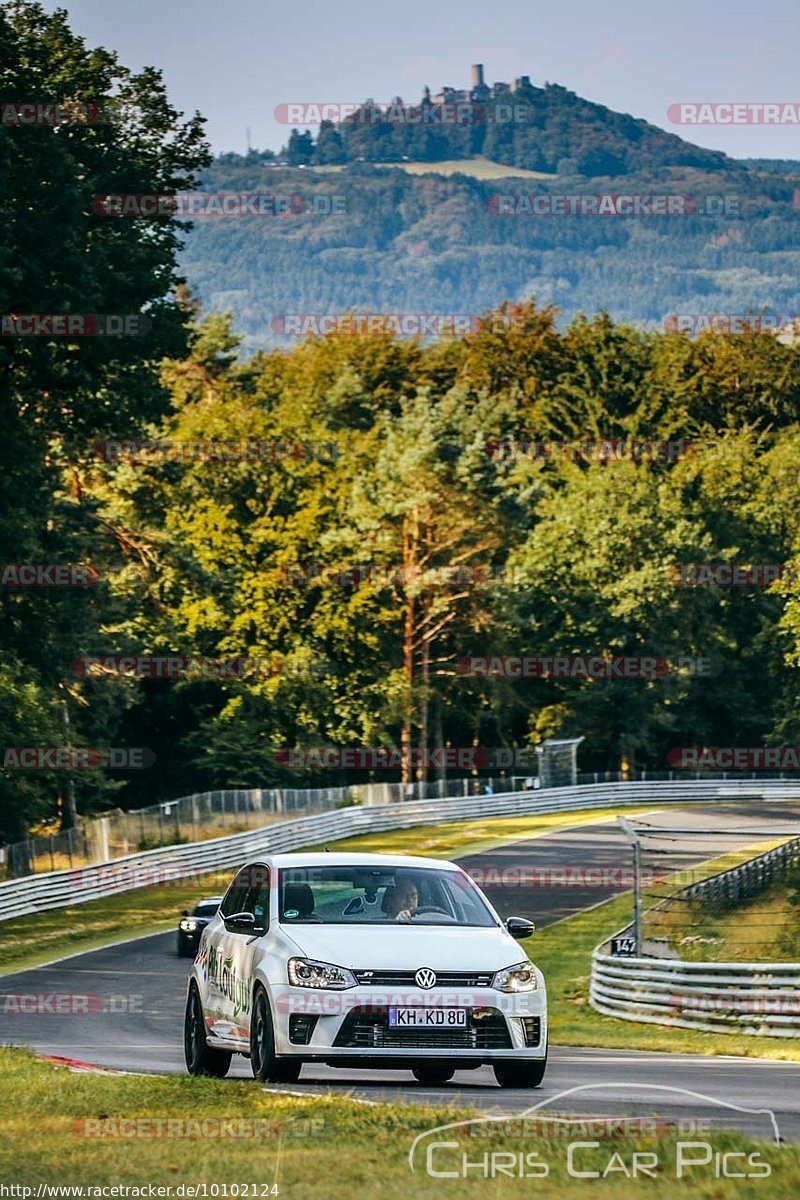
[402, 900]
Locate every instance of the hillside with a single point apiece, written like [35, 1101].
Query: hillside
[547, 128]
[375, 239]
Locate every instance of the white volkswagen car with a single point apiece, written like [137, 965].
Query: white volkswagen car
[364, 960]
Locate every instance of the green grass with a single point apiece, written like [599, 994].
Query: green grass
[476, 168]
[763, 929]
[40, 937]
[563, 952]
[58, 1132]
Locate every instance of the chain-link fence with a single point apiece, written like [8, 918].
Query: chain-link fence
[739, 904]
[214, 814]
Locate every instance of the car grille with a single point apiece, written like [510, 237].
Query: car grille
[364, 1029]
[453, 979]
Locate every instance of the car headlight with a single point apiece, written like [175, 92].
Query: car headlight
[519, 978]
[308, 973]
[188, 926]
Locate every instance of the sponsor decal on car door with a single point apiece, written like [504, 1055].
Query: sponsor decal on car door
[231, 957]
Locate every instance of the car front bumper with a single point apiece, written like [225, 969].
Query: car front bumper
[350, 1025]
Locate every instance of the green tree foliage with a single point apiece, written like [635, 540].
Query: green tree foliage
[379, 527]
[330, 563]
[59, 254]
[533, 127]
[376, 239]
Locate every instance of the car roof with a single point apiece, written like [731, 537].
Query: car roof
[354, 859]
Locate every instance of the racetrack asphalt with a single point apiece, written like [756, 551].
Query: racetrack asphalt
[130, 1016]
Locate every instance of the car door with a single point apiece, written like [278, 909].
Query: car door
[219, 957]
[232, 968]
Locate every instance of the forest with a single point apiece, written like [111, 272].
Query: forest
[346, 520]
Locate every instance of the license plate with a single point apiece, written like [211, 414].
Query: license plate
[427, 1018]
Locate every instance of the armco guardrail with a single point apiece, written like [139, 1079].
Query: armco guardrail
[116, 834]
[755, 998]
[58, 889]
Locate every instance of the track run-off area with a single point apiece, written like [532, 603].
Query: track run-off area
[133, 1017]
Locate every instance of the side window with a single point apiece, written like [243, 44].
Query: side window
[257, 901]
[236, 894]
[249, 892]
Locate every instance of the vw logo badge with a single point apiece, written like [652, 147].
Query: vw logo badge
[425, 978]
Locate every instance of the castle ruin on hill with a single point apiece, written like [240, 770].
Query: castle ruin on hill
[478, 92]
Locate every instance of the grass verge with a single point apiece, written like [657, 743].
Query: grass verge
[564, 951]
[477, 168]
[40, 937]
[764, 928]
[131, 1131]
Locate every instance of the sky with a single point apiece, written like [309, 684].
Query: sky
[237, 60]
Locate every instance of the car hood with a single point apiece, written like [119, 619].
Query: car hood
[407, 947]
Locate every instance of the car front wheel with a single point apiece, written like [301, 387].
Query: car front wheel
[201, 1059]
[265, 1064]
[520, 1074]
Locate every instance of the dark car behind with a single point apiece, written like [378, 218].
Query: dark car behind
[192, 925]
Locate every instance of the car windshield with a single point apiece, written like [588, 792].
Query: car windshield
[361, 895]
[206, 908]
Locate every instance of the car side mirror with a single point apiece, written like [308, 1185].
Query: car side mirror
[242, 922]
[520, 927]
[185, 912]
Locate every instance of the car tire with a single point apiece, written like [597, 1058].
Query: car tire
[433, 1075]
[201, 1059]
[264, 1062]
[524, 1073]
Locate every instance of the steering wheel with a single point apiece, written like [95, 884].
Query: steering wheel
[430, 908]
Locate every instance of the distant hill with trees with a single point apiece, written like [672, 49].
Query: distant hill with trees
[546, 128]
[374, 238]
